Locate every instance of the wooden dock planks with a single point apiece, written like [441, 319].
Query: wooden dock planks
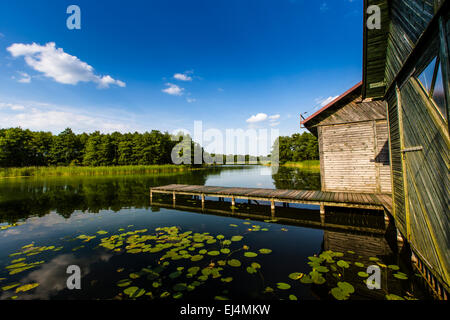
[315, 197]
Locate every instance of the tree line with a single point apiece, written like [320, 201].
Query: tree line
[298, 147]
[21, 148]
[25, 148]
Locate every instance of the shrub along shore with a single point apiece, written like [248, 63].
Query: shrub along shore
[91, 171]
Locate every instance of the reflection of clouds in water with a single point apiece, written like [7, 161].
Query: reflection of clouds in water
[50, 220]
[52, 276]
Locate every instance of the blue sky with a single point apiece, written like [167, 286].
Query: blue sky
[162, 64]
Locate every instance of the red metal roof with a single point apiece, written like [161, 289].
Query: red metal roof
[349, 91]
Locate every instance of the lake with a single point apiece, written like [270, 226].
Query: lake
[129, 248]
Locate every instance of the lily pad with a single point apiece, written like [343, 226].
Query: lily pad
[250, 254]
[265, 251]
[134, 292]
[236, 238]
[343, 264]
[283, 286]
[234, 263]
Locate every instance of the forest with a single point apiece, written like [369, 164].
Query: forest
[26, 148]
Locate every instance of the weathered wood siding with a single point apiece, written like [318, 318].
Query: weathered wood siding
[421, 177]
[425, 215]
[355, 157]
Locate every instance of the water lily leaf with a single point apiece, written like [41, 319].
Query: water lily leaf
[124, 283]
[283, 286]
[250, 254]
[251, 270]
[268, 290]
[316, 277]
[292, 297]
[27, 287]
[363, 274]
[343, 264]
[213, 253]
[393, 297]
[374, 259]
[134, 275]
[234, 263]
[236, 238]
[226, 242]
[359, 264]
[102, 232]
[134, 292]
[295, 275]
[177, 295]
[393, 267]
[346, 287]
[321, 269]
[165, 294]
[265, 251]
[221, 298]
[10, 286]
[220, 236]
[339, 294]
[227, 279]
[306, 279]
[401, 276]
[256, 265]
[225, 251]
[233, 225]
[197, 258]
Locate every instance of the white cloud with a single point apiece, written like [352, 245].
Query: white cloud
[257, 118]
[274, 124]
[173, 89]
[44, 117]
[191, 100]
[274, 117]
[60, 66]
[25, 77]
[182, 77]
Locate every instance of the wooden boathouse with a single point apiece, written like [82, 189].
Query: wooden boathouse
[406, 70]
[406, 65]
[353, 144]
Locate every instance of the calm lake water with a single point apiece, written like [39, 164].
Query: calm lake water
[129, 248]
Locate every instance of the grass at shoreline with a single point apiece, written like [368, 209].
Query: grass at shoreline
[90, 171]
[307, 164]
[312, 165]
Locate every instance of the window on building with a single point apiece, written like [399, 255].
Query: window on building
[431, 80]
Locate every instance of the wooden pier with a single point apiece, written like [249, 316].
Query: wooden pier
[320, 198]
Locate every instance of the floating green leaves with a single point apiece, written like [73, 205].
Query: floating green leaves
[393, 297]
[265, 251]
[283, 286]
[401, 276]
[234, 263]
[343, 264]
[27, 287]
[250, 254]
[296, 275]
[134, 292]
[236, 238]
[124, 283]
[342, 291]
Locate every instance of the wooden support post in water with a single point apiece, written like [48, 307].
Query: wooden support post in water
[233, 201]
[203, 201]
[174, 199]
[151, 196]
[322, 214]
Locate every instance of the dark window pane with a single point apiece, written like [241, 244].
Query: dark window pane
[439, 95]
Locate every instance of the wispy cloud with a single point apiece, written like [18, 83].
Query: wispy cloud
[182, 76]
[173, 89]
[191, 100]
[60, 66]
[24, 77]
[257, 118]
[322, 102]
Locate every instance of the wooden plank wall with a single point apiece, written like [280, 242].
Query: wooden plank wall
[427, 178]
[409, 18]
[355, 157]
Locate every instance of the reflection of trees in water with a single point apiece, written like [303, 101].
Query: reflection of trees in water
[296, 178]
[23, 198]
